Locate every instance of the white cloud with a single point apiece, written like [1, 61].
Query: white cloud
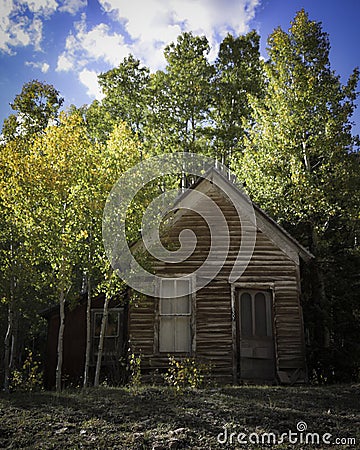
[152, 24]
[49, 7]
[16, 29]
[64, 64]
[21, 21]
[35, 31]
[41, 7]
[161, 21]
[101, 43]
[89, 79]
[72, 6]
[43, 66]
[96, 44]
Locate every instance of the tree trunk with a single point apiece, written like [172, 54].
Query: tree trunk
[7, 344]
[60, 346]
[88, 333]
[318, 280]
[101, 340]
[14, 341]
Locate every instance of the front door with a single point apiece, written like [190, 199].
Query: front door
[256, 360]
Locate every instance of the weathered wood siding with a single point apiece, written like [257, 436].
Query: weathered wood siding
[213, 324]
[74, 340]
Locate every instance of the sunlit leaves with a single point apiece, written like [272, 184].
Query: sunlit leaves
[37, 106]
[296, 160]
[238, 73]
[125, 89]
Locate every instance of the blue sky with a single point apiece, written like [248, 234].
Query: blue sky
[68, 42]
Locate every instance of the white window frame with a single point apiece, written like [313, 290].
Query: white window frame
[190, 314]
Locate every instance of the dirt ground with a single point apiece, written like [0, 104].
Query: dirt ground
[159, 418]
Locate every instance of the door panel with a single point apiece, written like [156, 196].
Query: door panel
[255, 335]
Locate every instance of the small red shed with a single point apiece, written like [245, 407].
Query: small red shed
[115, 344]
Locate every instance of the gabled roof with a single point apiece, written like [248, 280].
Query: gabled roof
[277, 234]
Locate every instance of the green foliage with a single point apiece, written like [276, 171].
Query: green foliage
[181, 97]
[238, 74]
[37, 105]
[192, 105]
[184, 373]
[29, 377]
[296, 159]
[125, 89]
[299, 164]
[134, 368]
[62, 190]
[99, 122]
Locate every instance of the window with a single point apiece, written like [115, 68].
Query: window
[255, 314]
[113, 334]
[175, 316]
[112, 324]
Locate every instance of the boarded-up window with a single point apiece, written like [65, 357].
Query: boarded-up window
[175, 316]
[255, 314]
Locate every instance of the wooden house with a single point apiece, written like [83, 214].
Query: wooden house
[247, 330]
[250, 330]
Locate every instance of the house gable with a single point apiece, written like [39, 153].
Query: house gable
[214, 180]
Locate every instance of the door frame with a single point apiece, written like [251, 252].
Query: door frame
[234, 320]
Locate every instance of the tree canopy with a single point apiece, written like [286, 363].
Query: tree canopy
[283, 124]
[36, 107]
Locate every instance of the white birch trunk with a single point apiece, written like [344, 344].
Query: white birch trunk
[7, 344]
[101, 341]
[60, 346]
[9, 331]
[88, 333]
[15, 328]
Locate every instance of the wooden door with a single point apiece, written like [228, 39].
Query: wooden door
[256, 360]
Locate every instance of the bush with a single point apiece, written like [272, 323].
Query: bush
[29, 377]
[135, 369]
[185, 373]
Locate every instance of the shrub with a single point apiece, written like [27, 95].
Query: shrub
[135, 369]
[29, 377]
[186, 373]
